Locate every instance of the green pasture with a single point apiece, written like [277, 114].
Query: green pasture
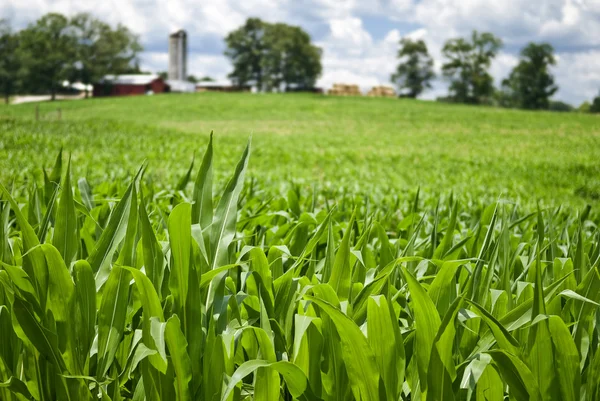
[361, 145]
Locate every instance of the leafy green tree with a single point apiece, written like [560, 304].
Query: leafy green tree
[531, 82]
[50, 48]
[584, 107]
[557, 105]
[272, 55]
[10, 61]
[102, 50]
[415, 71]
[290, 58]
[467, 67]
[245, 48]
[595, 107]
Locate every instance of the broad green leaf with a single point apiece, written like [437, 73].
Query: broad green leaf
[295, 379]
[177, 345]
[152, 252]
[223, 226]
[85, 307]
[426, 323]
[202, 209]
[522, 385]
[341, 274]
[111, 318]
[566, 362]
[34, 263]
[387, 344]
[180, 238]
[101, 257]
[358, 356]
[66, 230]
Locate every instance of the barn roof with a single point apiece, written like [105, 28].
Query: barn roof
[130, 79]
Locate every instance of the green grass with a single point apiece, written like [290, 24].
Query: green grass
[362, 145]
[312, 269]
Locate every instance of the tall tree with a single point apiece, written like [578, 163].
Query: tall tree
[415, 71]
[467, 67]
[272, 56]
[51, 52]
[102, 50]
[245, 48]
[10, 61]
[530, 82]
[290, 59]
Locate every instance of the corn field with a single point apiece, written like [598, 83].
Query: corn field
[134, 294]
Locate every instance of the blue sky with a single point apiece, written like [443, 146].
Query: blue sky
[359, 38]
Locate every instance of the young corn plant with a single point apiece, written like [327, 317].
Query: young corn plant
[132, 294]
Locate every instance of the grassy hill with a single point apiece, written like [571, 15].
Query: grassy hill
[361, 145]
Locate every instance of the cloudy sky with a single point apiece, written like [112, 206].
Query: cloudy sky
[359, 37]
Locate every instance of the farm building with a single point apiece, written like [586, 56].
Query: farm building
[345, 90]
[382, 91]
[181, 86]
[126, 85]
[209, 86]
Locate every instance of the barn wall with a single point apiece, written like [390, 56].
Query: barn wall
[157, 86]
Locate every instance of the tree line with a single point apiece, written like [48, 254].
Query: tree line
[56, 48]
[530, 85]
[272, 57]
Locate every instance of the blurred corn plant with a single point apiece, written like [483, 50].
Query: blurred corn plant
[131, 294]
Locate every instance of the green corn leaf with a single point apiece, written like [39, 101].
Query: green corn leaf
[31, 331]
[521, 382]
[490, 386]
[341, 274]
[295, 379]
[34, 263]
[427, 324]
[85, 307]
[112, 315]
[177, 345]
[66, 230]
[152, 252]
[358, 356]
[180, 238]
[567, 361]
[387, 344]
[202, 209]
[223, 226]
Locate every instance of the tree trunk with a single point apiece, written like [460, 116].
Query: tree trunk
[6, 98]
[52, 92]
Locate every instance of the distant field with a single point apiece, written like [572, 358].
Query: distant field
[361, 145]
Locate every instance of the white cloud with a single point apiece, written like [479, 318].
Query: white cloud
[578, 76]
[352, 56]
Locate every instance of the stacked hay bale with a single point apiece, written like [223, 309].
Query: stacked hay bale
[382, 91]
[344, 90]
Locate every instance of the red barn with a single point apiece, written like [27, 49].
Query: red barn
[127, 85]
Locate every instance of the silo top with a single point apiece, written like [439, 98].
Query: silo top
[179, 33]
